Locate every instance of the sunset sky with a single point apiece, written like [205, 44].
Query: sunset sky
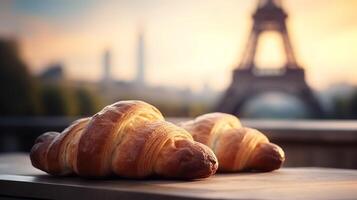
[188, 43]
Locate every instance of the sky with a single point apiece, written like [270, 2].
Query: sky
[188, 44]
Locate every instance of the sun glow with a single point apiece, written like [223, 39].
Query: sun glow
[187, 43]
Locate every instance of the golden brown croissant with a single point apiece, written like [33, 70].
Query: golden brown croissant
[128, 139]
[237, 148]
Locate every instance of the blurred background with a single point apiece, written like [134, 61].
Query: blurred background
[286, 67]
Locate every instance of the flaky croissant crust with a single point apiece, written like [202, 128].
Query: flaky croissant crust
[129, 139]
[237, 148]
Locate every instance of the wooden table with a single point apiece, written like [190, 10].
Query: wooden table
[18, 179]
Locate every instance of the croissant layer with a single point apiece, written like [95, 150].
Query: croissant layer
[237, 148]
[128, 139]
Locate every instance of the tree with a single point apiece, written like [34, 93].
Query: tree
[19, 94]
[345, 107]
[353, 105]
[59, 100]
[88, 103]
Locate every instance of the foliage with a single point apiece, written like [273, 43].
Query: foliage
[58, 100]
[88, 102]
[345, 107]
[19, 93]
[353, 105]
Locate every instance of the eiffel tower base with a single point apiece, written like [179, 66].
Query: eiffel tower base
[246, 85]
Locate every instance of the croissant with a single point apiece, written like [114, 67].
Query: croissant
[237, 148]
[128, 139]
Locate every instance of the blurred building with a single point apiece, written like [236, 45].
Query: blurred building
[107, 64]
[140, 77]
[53, 73]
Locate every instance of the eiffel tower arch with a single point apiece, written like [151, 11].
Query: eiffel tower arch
[250, 81]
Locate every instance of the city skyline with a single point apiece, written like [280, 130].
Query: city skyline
[187, 44]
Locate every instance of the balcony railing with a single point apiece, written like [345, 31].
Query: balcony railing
[323, 143]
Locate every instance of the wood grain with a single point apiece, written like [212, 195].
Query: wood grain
[19, 179]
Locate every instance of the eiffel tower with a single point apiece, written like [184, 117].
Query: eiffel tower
[249, 80]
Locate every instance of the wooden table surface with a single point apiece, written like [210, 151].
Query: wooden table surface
[18, 179]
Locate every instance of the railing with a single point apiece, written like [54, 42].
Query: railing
[326, 143]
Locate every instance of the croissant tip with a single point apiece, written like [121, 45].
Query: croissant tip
[190, 161]
[277, 158]
[268, 157]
